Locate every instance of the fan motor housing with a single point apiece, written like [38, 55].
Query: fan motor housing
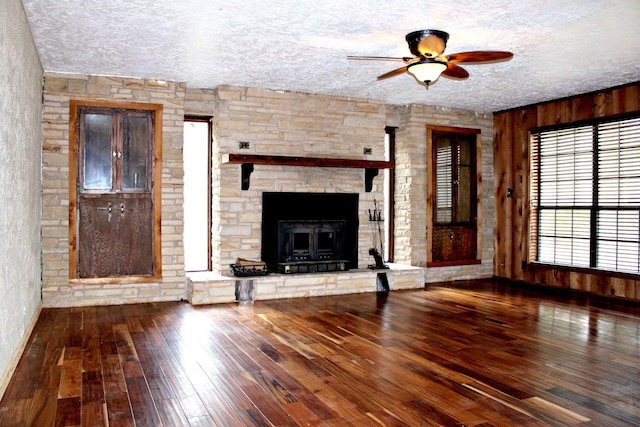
[427, 43]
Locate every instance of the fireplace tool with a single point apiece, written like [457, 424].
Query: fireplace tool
[375, 219]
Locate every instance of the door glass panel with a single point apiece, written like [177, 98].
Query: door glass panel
[443, 176]
[463, 211]
[97, 152]
[134, 152]
[465, 154]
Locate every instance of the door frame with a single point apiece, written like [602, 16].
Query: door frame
[74, 106]
[431, 194]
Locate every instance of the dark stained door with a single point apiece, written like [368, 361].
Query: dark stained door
[115, 205]
[455, 204]
[115, 236]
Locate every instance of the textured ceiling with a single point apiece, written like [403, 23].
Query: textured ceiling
[561, 47]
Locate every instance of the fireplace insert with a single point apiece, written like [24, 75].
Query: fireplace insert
[309, 232]
[311, 246]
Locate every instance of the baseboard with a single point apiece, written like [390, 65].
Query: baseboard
[13, 363]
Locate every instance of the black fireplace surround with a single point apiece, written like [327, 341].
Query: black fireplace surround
[309, 232]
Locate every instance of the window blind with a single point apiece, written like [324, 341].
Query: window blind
[585, 196]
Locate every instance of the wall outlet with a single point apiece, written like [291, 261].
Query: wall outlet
[243, 145]
[368, 150]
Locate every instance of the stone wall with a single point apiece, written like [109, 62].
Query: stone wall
[288, 124]
[270, 123]
[59, 89]
[411, 188]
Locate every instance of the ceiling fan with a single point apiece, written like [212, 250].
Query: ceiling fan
[428, 61]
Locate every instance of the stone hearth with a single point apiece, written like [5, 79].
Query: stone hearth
[209, 288]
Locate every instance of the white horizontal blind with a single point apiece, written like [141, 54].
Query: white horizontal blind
[444, 181]
[565, 192]
[618, 226]
[585, 196]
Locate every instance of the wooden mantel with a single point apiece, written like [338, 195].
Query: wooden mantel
[247, 161]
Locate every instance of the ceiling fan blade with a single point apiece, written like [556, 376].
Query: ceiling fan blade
[392, 73]
[479, 56]
[380, 58]
[454, 71]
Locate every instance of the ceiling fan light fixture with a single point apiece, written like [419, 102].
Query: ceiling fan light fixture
[429, 62]
[427, 71]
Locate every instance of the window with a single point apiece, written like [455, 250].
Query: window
[585, 196]
[388, 184]
[197, 194]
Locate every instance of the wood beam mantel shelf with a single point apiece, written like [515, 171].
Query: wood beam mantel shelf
[247, 161]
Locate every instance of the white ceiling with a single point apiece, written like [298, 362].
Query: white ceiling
[561, 47]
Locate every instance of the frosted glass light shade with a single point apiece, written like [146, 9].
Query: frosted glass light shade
[427, 71]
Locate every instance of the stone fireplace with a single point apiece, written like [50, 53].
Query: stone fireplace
[294, 178]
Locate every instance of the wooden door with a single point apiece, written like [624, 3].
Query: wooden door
[114, 200]
[115, 236]
[453, 243]
[454, 204]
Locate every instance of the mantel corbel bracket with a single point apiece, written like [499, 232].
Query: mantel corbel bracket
[369, 174]
[245, 171]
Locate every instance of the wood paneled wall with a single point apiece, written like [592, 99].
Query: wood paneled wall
[511, 171]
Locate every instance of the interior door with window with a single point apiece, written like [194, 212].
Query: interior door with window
[453, 196]
[115, 192]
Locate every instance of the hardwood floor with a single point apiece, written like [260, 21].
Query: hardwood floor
[462, 354]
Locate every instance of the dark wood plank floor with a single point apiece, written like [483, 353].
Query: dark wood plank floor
[464, 354]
